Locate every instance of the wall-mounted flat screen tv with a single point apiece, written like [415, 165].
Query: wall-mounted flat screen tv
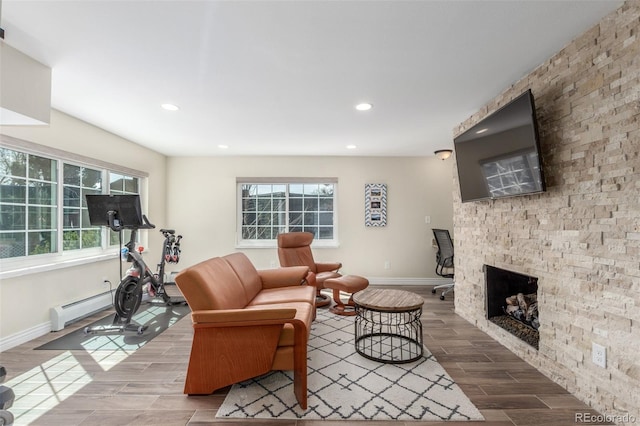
[500, 156]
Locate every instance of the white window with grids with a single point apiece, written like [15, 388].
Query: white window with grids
[267, 207]
[28, 204]
[44, 219]
[77, 232]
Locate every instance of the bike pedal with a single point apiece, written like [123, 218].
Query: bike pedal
[150, 290]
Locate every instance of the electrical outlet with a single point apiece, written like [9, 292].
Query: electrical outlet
[427, 219]
[599, 355]
[387, 264]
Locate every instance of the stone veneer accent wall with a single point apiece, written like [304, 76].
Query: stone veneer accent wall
[582, 237]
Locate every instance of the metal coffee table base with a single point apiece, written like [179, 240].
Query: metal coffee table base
[389, 337]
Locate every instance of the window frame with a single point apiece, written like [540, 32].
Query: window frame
[27, 264]
[80, 229]
[273, 243]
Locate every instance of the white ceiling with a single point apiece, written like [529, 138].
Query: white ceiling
[282, 77]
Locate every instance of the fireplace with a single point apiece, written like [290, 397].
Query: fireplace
[512, 303]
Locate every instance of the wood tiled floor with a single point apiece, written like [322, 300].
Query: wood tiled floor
[145, 387]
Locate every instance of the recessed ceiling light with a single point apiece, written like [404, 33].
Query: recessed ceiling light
[364, 106]
[170, 107]
[221, 146]
[351, 146]
[481, 131]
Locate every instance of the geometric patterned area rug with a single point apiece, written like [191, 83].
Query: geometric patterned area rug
[343, 385]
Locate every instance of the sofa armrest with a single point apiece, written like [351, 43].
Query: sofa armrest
[310, 279]
[243, 316]
[328, 266]
[283, 277]
[233, 345]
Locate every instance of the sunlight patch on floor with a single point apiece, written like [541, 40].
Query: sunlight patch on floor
[107, 359]
[46, 386]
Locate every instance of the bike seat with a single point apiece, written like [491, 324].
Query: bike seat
[168, 231]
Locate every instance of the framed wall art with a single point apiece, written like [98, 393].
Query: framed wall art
[375, 204]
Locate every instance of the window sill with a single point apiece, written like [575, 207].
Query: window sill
[12, 269]
[273, 244]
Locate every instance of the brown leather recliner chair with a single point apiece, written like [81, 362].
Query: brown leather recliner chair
[294, 249]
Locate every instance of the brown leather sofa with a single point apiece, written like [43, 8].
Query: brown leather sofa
[246, 323]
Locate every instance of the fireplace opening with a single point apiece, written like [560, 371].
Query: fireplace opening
[512, 303]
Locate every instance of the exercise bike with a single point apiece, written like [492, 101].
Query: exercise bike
[139, 276]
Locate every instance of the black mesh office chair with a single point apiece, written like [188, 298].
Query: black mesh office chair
[444, 260]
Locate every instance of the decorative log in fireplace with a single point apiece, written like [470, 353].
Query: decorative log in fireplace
[524, 308]
[512, 303]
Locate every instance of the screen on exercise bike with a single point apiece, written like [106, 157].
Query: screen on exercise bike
[126, 210]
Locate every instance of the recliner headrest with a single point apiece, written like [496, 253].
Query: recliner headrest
[294, 239]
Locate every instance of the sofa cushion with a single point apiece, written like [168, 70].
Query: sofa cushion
[286, 277]
[268, 296]
[212, 284]
[247, 274]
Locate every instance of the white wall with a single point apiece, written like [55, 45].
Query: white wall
[25, 301]
[197, 197]
[202, 207]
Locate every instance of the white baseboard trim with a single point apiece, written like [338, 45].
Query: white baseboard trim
[408, 281]
[25, 336]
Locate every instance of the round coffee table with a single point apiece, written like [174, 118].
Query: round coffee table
[388, 327]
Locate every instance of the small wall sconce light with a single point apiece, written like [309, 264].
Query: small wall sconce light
[443, 154]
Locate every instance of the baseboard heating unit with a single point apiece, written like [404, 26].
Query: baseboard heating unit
[66, 314]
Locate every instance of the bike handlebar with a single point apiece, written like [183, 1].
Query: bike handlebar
[147, 224]
[116, 226]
